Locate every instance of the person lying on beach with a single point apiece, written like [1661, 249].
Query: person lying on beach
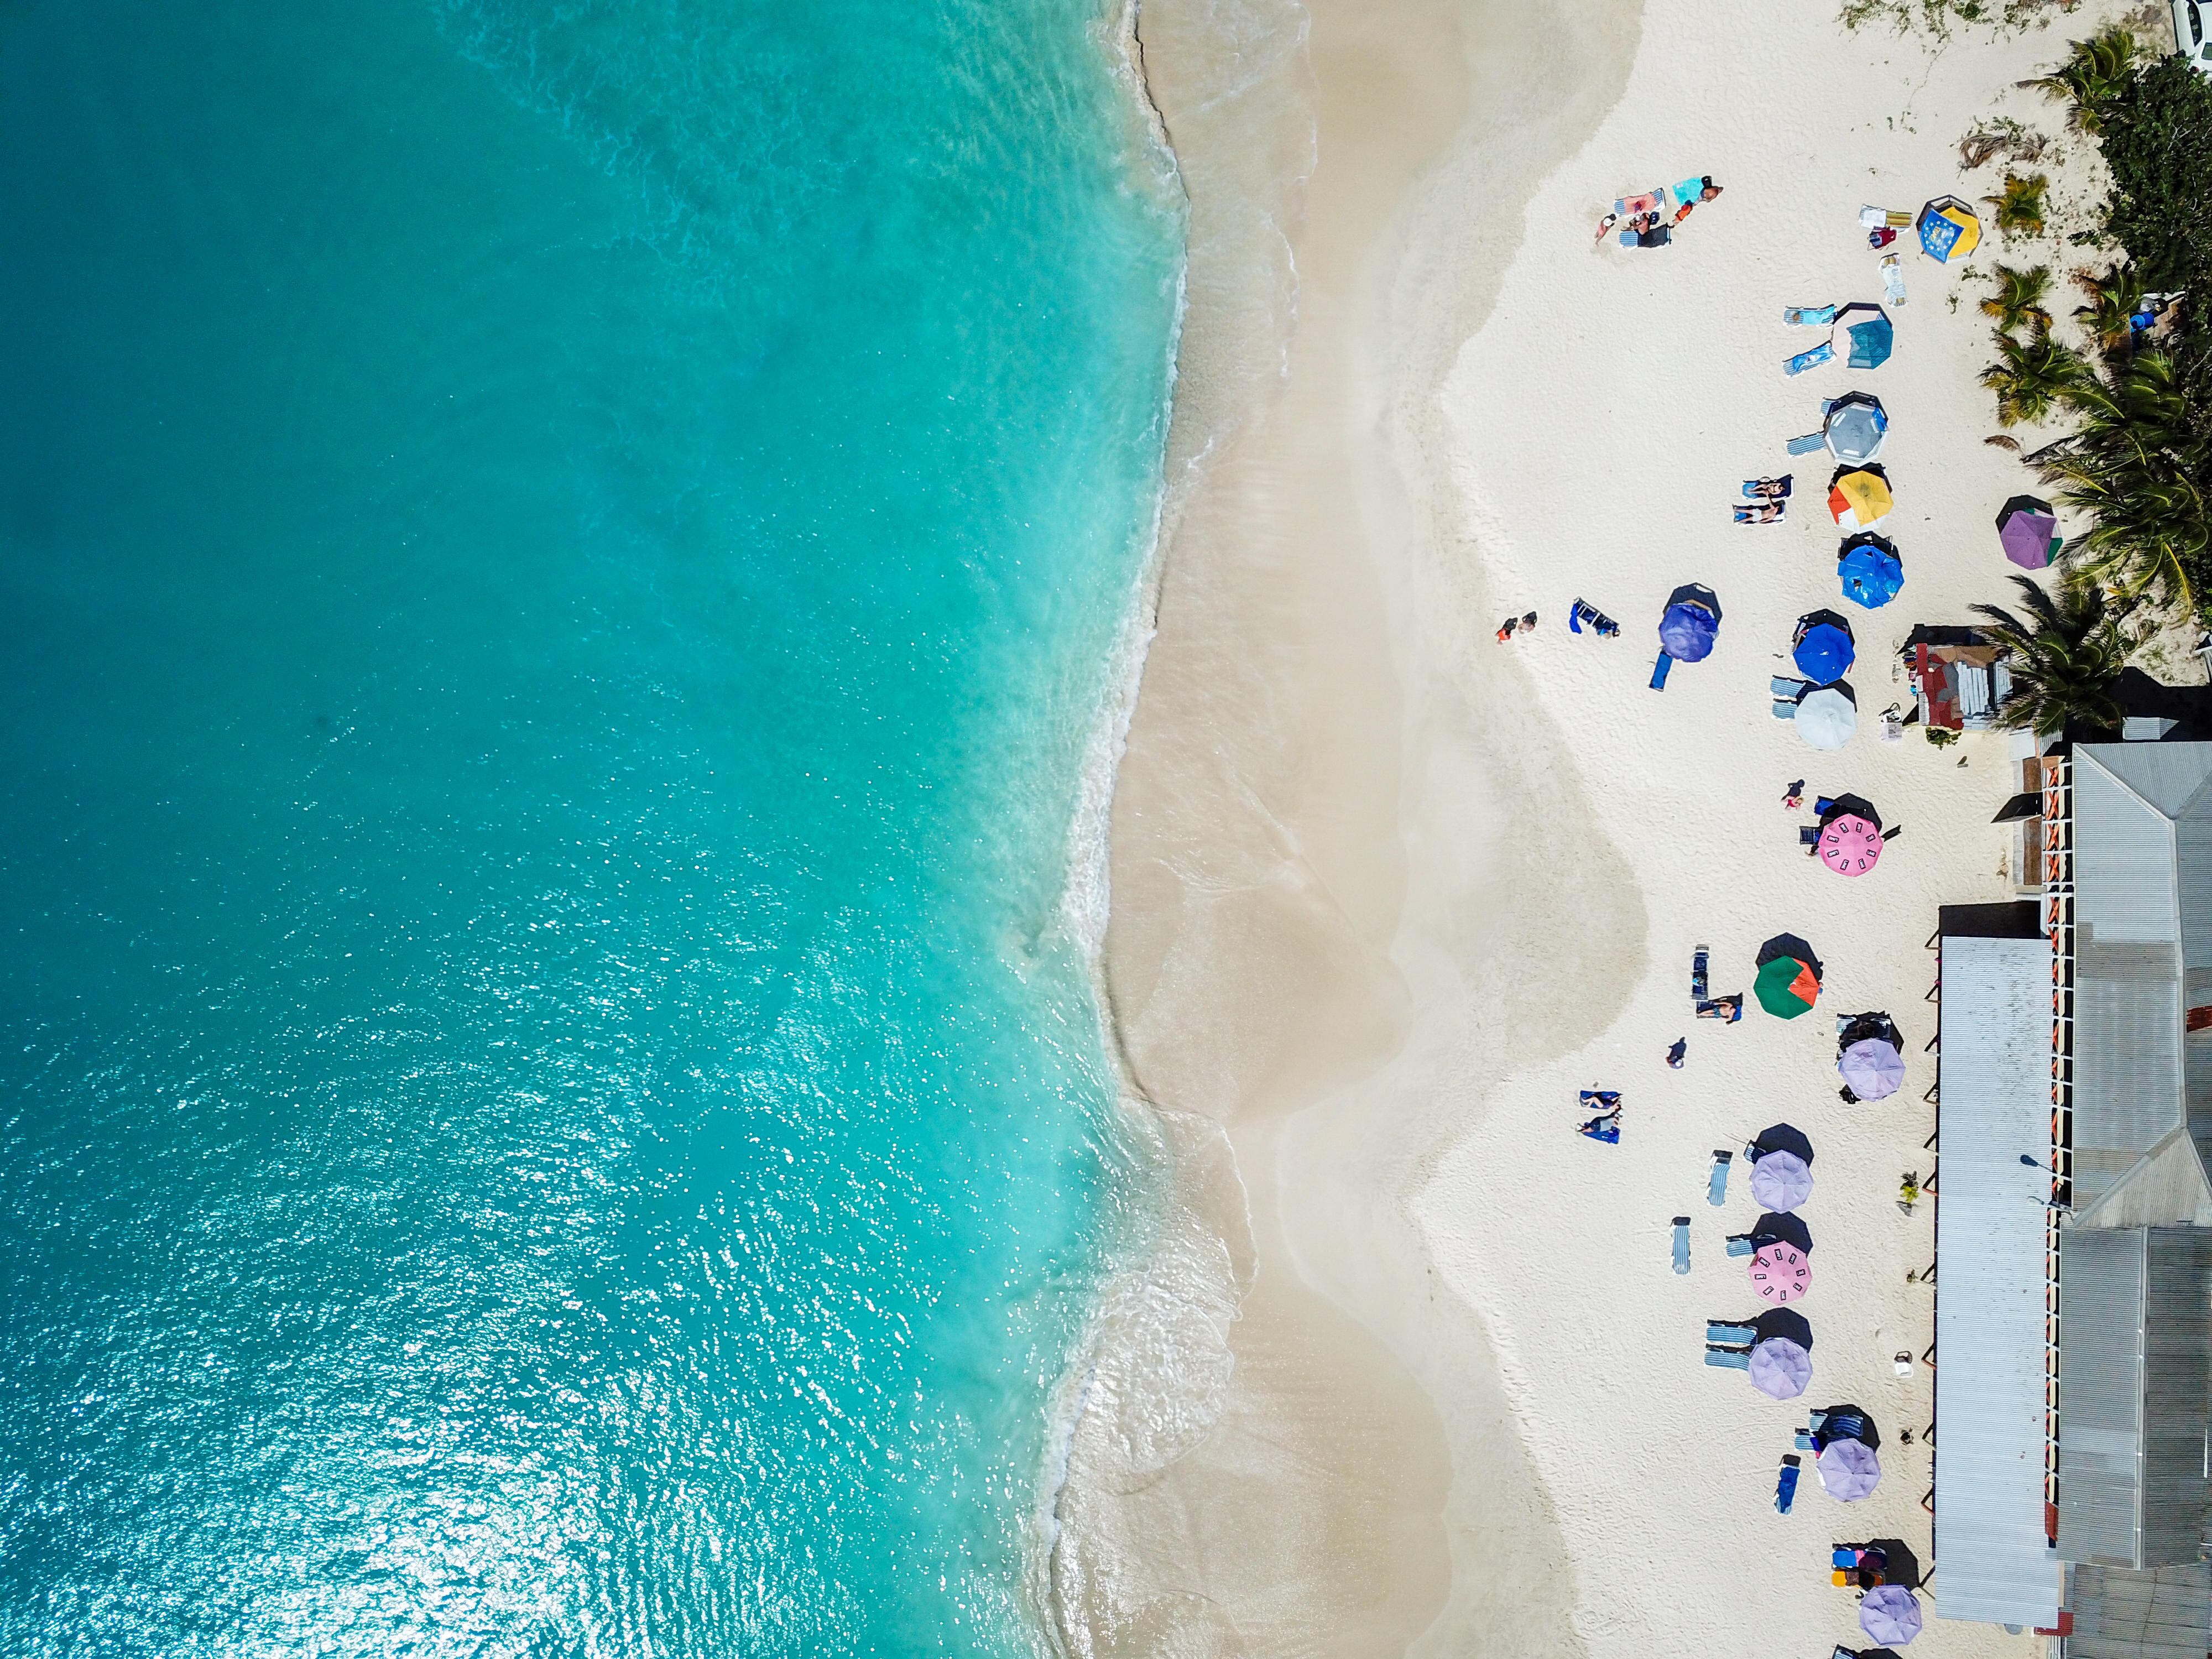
[1706, 194]
[1769, 512]
[1768, 489]
[1607, 224]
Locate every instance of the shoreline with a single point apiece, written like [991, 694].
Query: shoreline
[1318, 1415]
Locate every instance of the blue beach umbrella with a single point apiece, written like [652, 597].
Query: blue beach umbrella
[1823, 650]
[1864, 331]
[1870, 571]
[1686, 632]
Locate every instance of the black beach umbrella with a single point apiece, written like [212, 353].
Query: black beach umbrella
[1786, 1323]
[1900, 1565]
[1781, 1138]
[1851, 807]
[1781, 1228]
[1847, 1423]
[1788, 945]
[1858, 1028]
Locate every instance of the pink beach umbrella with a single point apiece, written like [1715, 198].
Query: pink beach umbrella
[1851, 846]
[1849, 1470]
[1891, 1615]
[1780, 1369]
[1780, 1272]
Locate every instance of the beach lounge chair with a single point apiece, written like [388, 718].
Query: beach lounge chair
[1740, 1244]
[1812, 359]
[1728, 1010]
[1719, 1333]
[1681, 1243]
[1716, 1184]
[1785, 1484]
[1808, 316]
[1659, 671]
[1700, 962]
[1731, 1359]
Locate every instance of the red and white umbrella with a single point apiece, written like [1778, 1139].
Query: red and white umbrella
[1780, 1272]
[1851, 846]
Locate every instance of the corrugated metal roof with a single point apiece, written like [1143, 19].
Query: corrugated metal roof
[2166, 1613]
[2176, 1389]
[1996, 1564]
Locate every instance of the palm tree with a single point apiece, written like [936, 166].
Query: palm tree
[2019, 210]
[2032, 377]
[2134, 469]
[2096, 72]
[2063, 657]
[2114, 298]
[2018, 297]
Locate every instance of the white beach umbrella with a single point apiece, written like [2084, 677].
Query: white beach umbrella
[1827, 717]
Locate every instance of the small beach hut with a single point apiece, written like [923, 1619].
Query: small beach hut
[1862, 334]
[1869, 571]
[1823, 647]
[1891, 1615]
[1780, 1369]
[2028, 530]
[1872, 1068]
[1849, 1470]
[1949, 230]
[1855, 428]
[1827, 715]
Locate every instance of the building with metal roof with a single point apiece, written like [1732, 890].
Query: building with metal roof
[1992, 1403]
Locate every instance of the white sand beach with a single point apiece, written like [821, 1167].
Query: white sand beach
[1388, 893]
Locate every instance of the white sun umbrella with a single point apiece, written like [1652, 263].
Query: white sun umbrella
[1826, 716]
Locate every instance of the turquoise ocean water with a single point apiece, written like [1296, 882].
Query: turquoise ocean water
[559, 561]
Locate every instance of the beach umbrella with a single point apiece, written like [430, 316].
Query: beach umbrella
[1780, 1370]
[1686, 632]
[1853, 429]
[2028, 531]
[1869, 571]
[1786, 988]
[1858, 497]
[1780, 1272]
[1891, 1615]
[1823, 649]
[1778, 1226]
[1780, 1181]
[1949, 229]
[1782, 1137]
[1874, 1068]
[1849, 844]
[1827, 715]
[1863, 335]
[1849, 1470]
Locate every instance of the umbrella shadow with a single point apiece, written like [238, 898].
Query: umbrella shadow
[1780, 1227]
[1782, 1137]
[1788, 945]
[1841, 807]
[1786, 1324]
[1696, 593]
[1858, 1028]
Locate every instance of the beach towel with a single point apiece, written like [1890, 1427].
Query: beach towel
[1717, 1188]
[1893, 280]
[1605, 1128]
[1733, 1359]
[1812, 359]
[1720, 1334]
[1652, 201]
[1608, 1098]
[1808, 316]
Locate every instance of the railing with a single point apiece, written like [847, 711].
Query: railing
[2058, 927]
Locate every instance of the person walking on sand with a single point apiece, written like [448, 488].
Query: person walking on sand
[1675, 1055]
[1507, 629]
[1528, 622]
[1794, 797]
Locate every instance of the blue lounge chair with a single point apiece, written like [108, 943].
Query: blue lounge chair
[1728, 1359]
[1681, 1243]
[1740, 1244]
[1717, 1187]
[1700, 962]
[1720, 1334]
[1786, 1485]
[1659, 671]
[1812, 359]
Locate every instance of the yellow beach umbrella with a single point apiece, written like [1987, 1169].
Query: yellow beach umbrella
[1862, 497]
[1948, 230]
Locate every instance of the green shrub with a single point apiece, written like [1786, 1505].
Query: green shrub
[2157, 138]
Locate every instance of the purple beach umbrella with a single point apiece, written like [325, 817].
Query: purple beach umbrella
[1780, 1181]
[1780, 1370]
[1873, 1069]
[1849, 1470]
[2028, 530]
[1891, 1615]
